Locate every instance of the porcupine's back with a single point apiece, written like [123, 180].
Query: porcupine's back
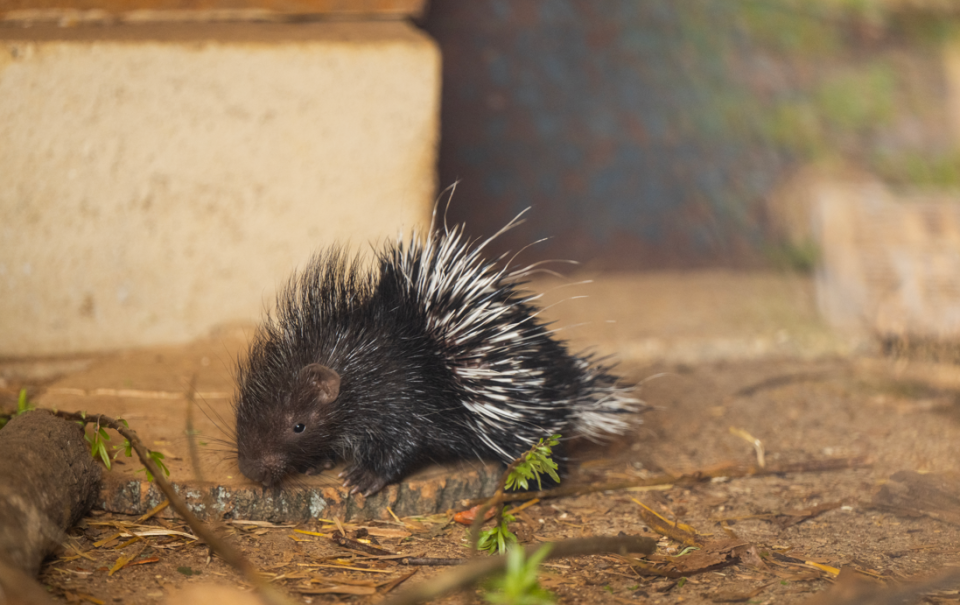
[517, 381]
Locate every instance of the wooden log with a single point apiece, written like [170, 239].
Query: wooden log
[48, 480]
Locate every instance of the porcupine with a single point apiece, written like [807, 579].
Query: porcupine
[435, 354]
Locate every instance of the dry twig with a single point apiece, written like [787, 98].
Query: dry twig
[480, 567]
[816, 466]
[225, 550]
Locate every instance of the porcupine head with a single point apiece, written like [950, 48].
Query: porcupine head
[345, 370]
[432, 357]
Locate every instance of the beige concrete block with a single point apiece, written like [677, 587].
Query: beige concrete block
[890, 262]
[160, 180]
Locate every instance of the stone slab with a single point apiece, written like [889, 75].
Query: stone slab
[435, 490]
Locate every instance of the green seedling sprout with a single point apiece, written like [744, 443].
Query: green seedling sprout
[527, 468]
[157, 458]
[534, 463]
[519, 584]
[495, 539]
[98, 447]
[23, 406]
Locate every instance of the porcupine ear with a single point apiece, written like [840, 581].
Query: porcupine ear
[324, 382]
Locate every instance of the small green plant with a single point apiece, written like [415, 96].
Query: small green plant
[519, 584]
[23, 406]
[534, 463]
[157, 458]
[98, 447]
[495, 539]
[687, 551]
[126, 446]
[528, 467]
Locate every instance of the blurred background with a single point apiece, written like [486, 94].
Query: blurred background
[817, 139]
[651, 134]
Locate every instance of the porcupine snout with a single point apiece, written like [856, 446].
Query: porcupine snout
[267, 469]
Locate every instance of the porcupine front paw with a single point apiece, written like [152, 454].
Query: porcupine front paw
[363, 480]
[316, 469]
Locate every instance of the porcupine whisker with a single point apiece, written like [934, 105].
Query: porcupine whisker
[223, 426]
[230, 445]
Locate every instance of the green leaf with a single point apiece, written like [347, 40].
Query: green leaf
[519, 584]
[686, 550]
[496, 539]
[23, 405]
[533, 464]
[536, 558]
[157, 458]
[104, 455]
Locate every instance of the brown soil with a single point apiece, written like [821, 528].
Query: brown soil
[769, 539]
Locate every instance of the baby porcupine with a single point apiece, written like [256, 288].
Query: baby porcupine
[433, 355]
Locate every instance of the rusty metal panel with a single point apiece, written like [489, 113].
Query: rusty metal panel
[603, 117]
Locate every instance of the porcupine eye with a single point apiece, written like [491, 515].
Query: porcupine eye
[298, 428]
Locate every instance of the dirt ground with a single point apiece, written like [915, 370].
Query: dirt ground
[801, 412]
[891, 515]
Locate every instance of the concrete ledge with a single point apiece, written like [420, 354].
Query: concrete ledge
[72, 12]
[160, 180]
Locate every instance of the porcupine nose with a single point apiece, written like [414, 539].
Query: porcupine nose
[268, 469]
